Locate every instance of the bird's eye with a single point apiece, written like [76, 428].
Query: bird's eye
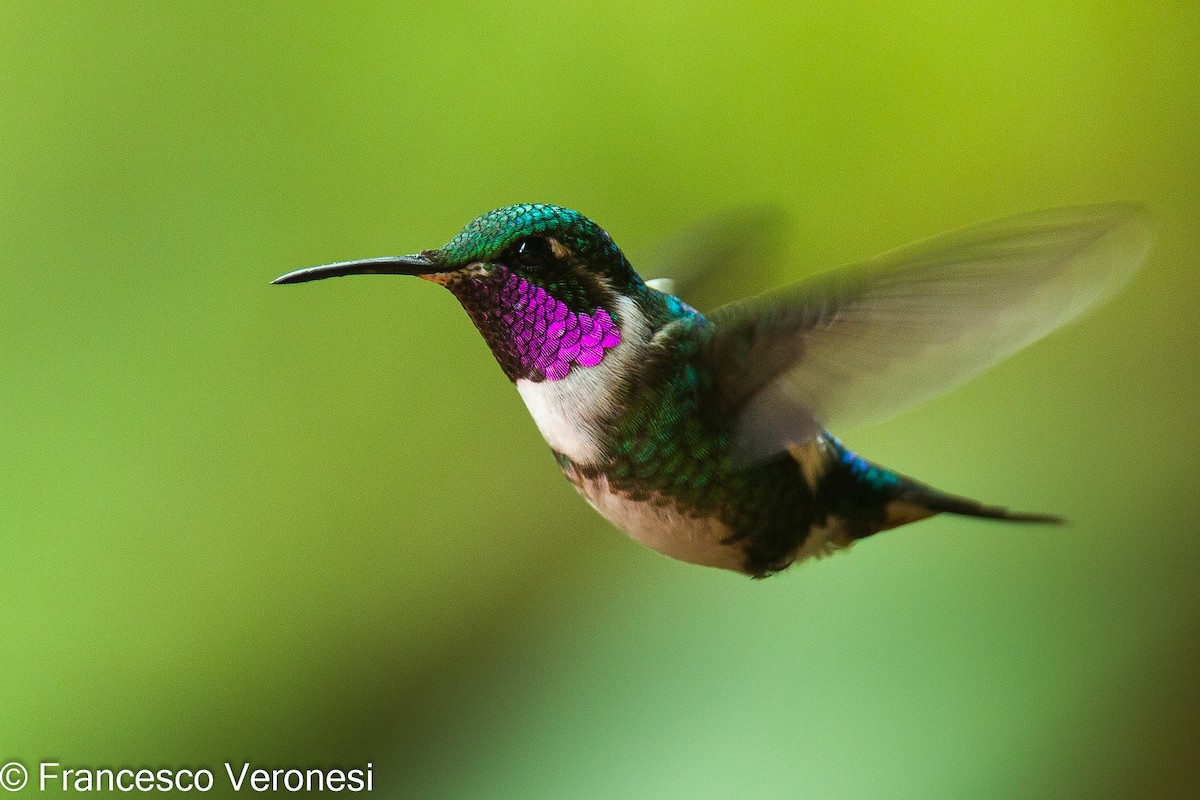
[533, 251]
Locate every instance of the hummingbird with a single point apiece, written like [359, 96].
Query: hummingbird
[706, 436]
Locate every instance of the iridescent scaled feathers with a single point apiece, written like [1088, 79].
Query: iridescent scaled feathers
[533, 334]
[491, 234]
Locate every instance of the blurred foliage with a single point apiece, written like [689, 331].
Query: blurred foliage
[314, 525]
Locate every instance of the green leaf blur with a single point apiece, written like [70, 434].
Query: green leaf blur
[314, 525]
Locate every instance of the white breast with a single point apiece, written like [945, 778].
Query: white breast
[569, 412]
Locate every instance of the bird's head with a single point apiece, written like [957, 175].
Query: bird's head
[542, 283]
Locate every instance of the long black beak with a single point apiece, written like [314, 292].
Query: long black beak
[387, 265]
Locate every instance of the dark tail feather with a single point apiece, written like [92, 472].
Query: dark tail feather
[906, 500]
[938, 502]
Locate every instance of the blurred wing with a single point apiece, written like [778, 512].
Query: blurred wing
[664, 285]
[715, 254]
[863, 342]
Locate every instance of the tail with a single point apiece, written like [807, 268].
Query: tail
[917, 496]
[904, 499]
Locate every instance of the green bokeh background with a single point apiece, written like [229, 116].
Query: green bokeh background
[314, 525]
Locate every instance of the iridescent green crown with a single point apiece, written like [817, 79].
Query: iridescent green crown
[494, 232]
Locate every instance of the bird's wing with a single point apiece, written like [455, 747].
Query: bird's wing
[862, 342]
[705, 261]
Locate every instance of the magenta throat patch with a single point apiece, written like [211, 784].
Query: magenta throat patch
[532, 334]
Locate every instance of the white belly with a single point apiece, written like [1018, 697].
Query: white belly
[660, 526]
